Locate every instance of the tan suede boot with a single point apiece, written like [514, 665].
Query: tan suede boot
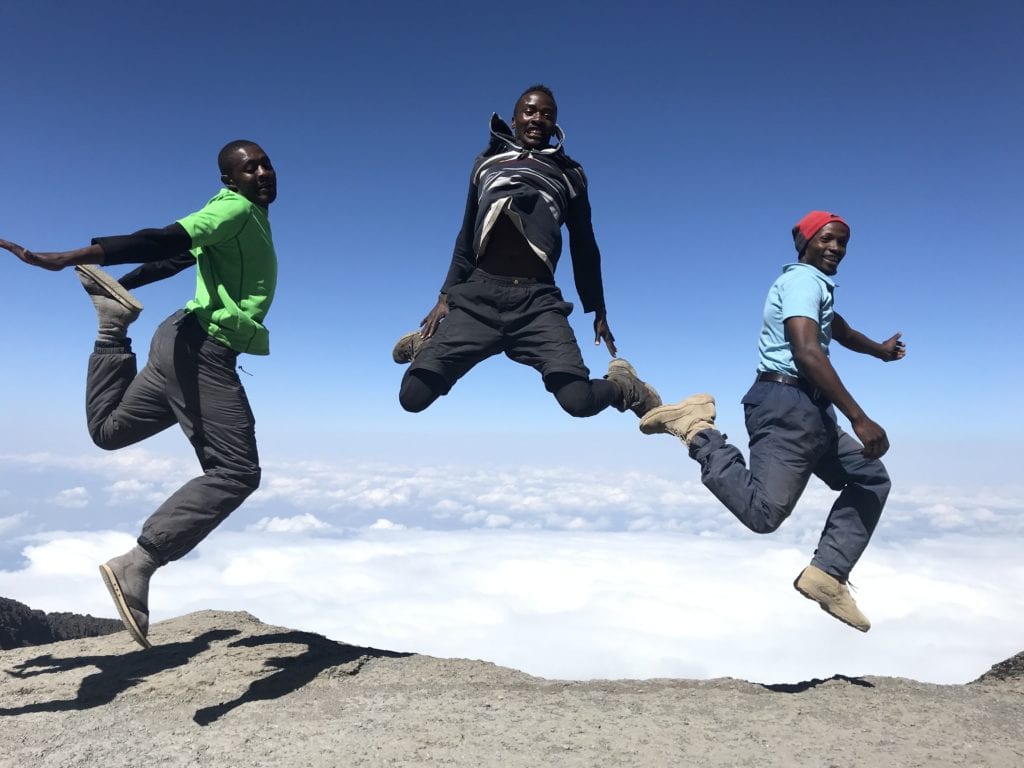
[684, 419]
[832, 595]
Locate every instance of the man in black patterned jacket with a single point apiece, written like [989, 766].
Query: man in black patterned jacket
[500, 293]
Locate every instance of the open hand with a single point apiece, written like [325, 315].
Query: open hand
[430, 323]
[603, 332]
[35, 259]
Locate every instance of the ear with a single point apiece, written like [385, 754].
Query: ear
[228, 182]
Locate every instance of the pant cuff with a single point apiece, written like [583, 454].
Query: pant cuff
[704, 443]
[150, 547]
[120, 347]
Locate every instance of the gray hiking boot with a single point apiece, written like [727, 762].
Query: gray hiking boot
[127, 580]
[116, 308]
[637, 395]
[832, 595]
[407, 347]
[684, 419]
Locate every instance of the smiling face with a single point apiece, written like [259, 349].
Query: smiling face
[534, 120]
[251, 175]
[826, 249]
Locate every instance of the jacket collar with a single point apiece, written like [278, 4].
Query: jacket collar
[502, 138]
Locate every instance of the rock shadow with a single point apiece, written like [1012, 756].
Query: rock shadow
[293, 672]
[117, 672]
[806, 685]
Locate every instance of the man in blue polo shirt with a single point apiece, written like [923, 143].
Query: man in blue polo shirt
[792, 424]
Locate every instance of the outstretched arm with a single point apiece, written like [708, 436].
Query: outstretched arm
[814, 365]
[886, 351]
[142, 247]
[55, 260]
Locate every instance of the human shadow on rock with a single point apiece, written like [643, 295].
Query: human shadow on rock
[806, 685]
[293, 672]
[117, 672]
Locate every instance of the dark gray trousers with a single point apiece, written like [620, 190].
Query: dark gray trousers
[191, 380]
[791, 438]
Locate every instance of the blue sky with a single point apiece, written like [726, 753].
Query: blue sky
[706, 132]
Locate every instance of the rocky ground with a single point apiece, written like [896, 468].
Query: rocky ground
[223, 689]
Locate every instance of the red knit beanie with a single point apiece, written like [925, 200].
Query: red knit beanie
[809, 225]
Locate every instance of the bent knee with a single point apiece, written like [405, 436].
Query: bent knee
[765, 525]
[108, 442]
[413, 403]
[251, 478]
[242, 480]
[578, 409]
[419, 389]
[768, 519]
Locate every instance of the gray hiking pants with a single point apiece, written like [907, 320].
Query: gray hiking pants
[792, 437]
[191, 380]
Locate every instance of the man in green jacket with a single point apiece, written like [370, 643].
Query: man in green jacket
[190, 377]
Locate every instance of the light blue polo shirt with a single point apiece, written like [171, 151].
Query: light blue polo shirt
[800, 291]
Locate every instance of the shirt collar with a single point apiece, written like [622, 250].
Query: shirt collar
[814, 271]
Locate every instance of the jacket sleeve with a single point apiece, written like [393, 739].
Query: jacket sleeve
[161, 252]
[586, 257]
[144, 246]
[463, 257]
[158, 270]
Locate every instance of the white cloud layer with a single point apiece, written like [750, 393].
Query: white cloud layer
[562, 572]
[582, 604]
[127, 485]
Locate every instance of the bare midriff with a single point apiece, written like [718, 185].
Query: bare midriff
[507, 253]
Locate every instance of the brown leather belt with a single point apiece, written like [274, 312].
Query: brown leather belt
[792, 381]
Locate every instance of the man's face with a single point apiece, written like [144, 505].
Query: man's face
[826, 249]
[252, 176]
[534, 120]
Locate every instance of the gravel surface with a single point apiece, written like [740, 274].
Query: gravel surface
[224, 689]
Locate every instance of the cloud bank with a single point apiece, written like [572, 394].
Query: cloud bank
[560, 572]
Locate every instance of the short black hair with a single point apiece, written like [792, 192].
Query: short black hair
[539, 88]
[229, 149]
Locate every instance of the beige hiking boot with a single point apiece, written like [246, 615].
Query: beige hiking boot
[407, 347]
[684, 419]
[637, 395]
[832, 595]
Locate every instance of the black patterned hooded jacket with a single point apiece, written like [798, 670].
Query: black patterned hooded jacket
[540, 190]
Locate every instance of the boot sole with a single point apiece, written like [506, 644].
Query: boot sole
[402, 352]
[647, 425]
[110, 581]
[823, 607]
[110, 287]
